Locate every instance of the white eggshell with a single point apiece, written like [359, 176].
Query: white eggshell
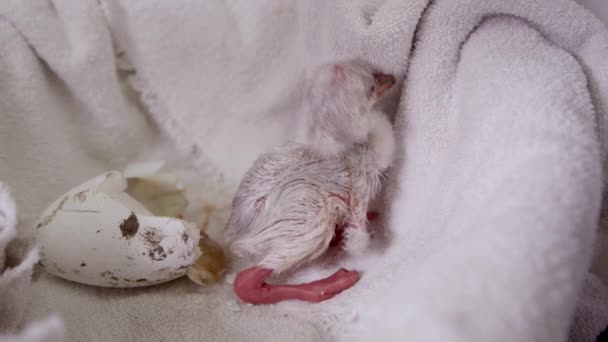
[97, 234]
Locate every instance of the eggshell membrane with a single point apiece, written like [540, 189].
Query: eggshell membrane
[97, 234]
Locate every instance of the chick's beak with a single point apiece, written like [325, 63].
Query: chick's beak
[384, 82]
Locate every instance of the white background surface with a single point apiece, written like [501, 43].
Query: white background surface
[599, 7]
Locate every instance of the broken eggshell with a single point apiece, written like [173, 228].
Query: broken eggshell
[98, 234]
[210, 265]
[161, 193]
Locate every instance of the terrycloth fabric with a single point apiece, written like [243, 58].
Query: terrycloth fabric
[591, 313]
[492, 206]
[16, 264]
[50, 330]
[598, 7]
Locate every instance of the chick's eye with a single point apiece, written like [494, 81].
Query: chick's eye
[372, 89]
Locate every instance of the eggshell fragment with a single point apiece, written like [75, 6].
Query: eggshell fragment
[159, 192]
[210, 265]
[98, 234]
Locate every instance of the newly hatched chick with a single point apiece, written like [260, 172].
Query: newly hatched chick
[297, 200]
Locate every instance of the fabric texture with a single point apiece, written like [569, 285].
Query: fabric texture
[490, 216]
[16, 264]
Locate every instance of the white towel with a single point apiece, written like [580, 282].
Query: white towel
[49, 330]
[494, 201]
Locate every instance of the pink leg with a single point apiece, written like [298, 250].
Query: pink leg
[251, 287]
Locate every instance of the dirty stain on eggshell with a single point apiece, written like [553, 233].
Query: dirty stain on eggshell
[129, 226]
[49, 218]
[81, 196]
[152, 238]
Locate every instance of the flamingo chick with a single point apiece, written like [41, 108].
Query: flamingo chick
[297, 200]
